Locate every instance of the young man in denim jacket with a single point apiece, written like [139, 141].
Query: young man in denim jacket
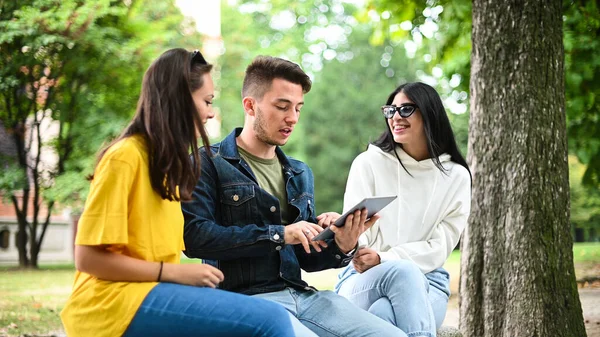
[253, 213]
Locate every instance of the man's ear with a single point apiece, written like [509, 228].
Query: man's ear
[249, 105]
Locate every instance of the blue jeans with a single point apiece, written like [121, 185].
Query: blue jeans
[399, 293]
[324, 313]
[180, 310]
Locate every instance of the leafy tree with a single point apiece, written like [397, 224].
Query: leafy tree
[76, 67]
[38, 36]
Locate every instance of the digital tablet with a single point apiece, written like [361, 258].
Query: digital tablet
[372, 204]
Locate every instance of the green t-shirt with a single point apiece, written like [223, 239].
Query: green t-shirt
[269, 174]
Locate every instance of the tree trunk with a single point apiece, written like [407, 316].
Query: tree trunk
[517, 256]
[21, 239]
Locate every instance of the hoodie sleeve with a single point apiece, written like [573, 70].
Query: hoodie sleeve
[360, 185]
[433, 252]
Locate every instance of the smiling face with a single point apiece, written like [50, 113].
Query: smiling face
[203, 98]
[407, 131]
[276, 114]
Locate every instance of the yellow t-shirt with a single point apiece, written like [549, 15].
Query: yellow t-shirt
[123, 211]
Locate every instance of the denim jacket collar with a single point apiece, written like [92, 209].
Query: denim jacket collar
[228, 150]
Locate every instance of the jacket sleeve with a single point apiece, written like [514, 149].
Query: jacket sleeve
[205, 238]
[360, 185]
[330, 257]
[433, 252]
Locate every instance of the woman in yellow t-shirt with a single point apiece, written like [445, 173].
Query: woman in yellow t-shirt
[130, 236]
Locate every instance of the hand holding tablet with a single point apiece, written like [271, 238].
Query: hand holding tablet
[372, 204]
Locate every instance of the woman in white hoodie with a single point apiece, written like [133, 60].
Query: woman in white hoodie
[398, 276]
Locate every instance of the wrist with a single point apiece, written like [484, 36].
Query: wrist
[346, 249]
[160, 270]
[168, 272]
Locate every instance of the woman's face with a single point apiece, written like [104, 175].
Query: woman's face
[407, 131]
[203, 98]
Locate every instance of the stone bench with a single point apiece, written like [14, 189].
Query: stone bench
[446, 331]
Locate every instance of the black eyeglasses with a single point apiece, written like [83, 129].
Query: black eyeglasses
[197, 58]
[405, 110]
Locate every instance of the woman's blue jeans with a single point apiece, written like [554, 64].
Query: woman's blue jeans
[179, 310]
[398, 292]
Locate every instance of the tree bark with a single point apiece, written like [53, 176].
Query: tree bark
[518, 275]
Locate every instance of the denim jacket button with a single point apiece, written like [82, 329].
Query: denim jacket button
[273, 209]
[278, 248]
[337, 256]
[276, 236]
[236, 197]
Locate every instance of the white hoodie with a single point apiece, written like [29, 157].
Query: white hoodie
[425, 222]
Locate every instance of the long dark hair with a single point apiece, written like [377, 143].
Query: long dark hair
[438, 131]
[167, 119]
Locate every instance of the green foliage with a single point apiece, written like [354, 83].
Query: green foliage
[81, 63]
[96, 54]
[342, 115]
[585, 202]
[449, 48]
[351, 80]
[582, 58]
[293, 31]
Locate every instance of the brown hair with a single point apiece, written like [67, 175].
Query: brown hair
[264, 69]
[167, 119]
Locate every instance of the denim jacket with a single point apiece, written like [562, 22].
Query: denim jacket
[235, 225]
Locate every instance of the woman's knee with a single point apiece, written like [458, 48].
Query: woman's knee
[404, 272]
[383, 309]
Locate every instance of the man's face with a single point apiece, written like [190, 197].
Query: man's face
[278, 112]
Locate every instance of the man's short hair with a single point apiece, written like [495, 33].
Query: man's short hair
[264, 69]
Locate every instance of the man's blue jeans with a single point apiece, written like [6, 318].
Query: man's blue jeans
[324, 314]
[399, 293]
[179, 310]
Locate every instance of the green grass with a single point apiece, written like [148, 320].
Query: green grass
[31, 300]
[586, 252]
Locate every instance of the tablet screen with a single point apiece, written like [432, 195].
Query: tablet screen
[372, 204]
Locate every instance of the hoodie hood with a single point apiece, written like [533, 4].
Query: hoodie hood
[413, 165]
